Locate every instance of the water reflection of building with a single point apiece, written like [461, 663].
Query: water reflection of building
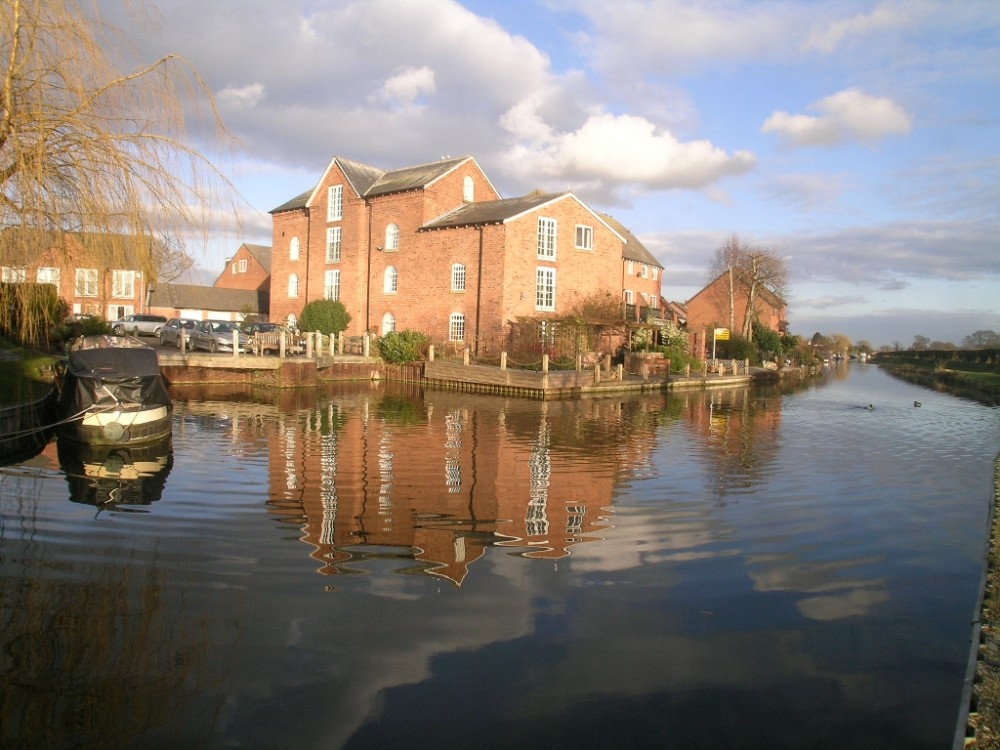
[437, 479]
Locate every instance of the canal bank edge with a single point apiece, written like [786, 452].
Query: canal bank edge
[979, 717]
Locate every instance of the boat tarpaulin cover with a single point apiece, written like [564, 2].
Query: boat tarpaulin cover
[110, 377]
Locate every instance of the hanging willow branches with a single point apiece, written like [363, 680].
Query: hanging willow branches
[92, 151]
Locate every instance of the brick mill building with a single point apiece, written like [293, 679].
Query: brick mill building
[436, 249]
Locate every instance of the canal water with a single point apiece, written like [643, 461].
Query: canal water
[369, 567]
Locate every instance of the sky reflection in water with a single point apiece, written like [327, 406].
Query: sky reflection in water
[371, 568]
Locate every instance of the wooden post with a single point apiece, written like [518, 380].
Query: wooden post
[503, 361]
[236, 342]
[597, 373]
[282, 343]
[579, 361]
[746, 366]
[309, 344]
[430, 353]
[465, 357]
[366, 344]
[545, 364]
[644, 370]
[620, 373]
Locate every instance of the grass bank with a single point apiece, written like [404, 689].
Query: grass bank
[24, 374]
[974, 375]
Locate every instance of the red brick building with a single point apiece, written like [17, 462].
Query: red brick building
[710, 308]
[249, 268]
[435, 248]
[86, 275]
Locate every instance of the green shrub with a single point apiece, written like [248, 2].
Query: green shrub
[402, 346]
[326, 316]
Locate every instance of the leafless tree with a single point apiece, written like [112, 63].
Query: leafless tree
[748, 272]
[89, 149]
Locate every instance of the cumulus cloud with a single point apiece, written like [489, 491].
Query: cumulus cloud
[886, 17]
[407, 86]
[616, 149]
[849, 115]
[241, 98]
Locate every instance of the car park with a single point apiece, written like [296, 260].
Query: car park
[217, 336]
[140, 324]
[176, 329]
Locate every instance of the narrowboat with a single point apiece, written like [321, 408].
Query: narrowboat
[111, 392]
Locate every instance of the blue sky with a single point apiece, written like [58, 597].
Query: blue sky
[859, 140]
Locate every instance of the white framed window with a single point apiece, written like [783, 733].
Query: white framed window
[86, 282]
[546, 238]
[335, 203]
[48, 275]
[629, 297]
[468, 189]
[11, 275]
[456, 327]
[392, 237]
[390, 280]
[644, 271]
[293, 249]
[388, 323]
[233, 266]
[293, 285]
[458, 278]
[243, 265]
[656, 273]
[630, 267]
[545, 289]
[331, 284]
[584, 237]
[123, 284]
[333, 244]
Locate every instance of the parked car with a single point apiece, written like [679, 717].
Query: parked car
[217, 336]
[140, 324]
[175, 329]
[259, 326]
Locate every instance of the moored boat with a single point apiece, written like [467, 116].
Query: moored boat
[112, 393]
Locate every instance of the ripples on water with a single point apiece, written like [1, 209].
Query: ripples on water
[373, 568]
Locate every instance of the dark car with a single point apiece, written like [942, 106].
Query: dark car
[217, 336]
[140, 324]
[262, 327]
[175, 329]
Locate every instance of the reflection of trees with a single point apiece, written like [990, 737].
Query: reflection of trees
[93, 652]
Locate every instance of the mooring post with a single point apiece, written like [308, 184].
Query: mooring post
[503, 360]
[236, 342]
[366, 344]
[430, 353]
[597, 373]
[465, 357]
[545, 364]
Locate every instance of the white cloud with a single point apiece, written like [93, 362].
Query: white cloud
[623, 150]
[404, 88]
[849, 115]
[886, 17]
[242, 98]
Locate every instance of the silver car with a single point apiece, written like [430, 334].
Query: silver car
[217, 336]
[176, 329]
[139, 324]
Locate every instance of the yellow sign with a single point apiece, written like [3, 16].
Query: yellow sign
[722, 334]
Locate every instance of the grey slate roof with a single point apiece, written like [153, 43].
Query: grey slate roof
[492, 212]
[193, 297]
[370, 181]
[633, 250]
[262, 254]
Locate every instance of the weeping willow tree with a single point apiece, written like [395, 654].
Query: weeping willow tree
[93, 157]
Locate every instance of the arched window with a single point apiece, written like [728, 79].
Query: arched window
[293, 249]
[468, 190]
[388, 323]
[456, 327]
[293, 285]
[392, 237]
[391, 280]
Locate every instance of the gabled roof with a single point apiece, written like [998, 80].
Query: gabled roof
[769, 296]
[261, 253]
[633, 250]
[414, 178]
[193, 297]
[368, 181]
[493, 212]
